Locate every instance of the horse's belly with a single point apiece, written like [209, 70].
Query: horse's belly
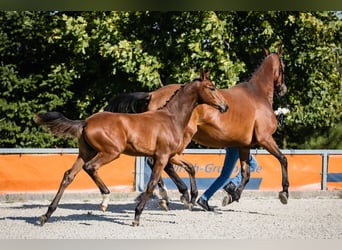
[220, 139]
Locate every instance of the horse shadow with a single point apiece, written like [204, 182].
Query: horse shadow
[116, 213]
[119, 213]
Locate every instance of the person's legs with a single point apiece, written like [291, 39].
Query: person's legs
[230, 160]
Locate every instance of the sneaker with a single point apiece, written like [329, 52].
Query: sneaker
[204, 204]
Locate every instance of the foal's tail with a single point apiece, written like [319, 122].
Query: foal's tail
[58, 124]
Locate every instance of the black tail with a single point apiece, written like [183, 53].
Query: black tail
[129, 103]
[58, 124]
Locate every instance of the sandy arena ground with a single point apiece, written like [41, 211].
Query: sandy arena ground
[258, 215]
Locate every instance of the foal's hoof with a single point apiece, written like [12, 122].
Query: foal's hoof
[135, 223]
[164, 205]
[185, 200]
[190, 206]
[227, 200]
[104, 208]
[42, 220]
[283, 197]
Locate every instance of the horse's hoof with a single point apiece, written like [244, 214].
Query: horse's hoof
[164, 205]
[135, 223]
[42, 220]
[190, 206]
[105, 201]
[183, 200]
[103, 208]
[283, 196]
[227, 200]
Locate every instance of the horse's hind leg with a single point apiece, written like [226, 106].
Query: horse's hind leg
[245, 170]
[102, 187]
[272, 147]
[69, 176]
[88, 153]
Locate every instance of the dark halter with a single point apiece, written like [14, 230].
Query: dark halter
[281, 73]
[281, 70]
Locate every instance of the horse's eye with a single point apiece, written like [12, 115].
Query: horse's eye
[212, 88]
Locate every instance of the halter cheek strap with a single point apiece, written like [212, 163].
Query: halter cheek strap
[281, 72]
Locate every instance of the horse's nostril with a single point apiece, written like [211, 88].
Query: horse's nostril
[223, 108]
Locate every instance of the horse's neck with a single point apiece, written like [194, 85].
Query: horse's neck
[182, 105]
[263, 80]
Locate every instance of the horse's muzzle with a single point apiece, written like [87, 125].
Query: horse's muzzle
[223, 108]
[282, 90]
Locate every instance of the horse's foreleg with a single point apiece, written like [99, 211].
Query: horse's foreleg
[284, 194]
[154, 178]
[189, 168]
[102, 187]
[182, 188]
[164, 201]
[69, 176]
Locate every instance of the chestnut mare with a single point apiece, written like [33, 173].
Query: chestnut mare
[250, 121]
[104, 136]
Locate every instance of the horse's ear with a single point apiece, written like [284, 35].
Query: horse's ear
[202, 74]
[207, 75]
[267, 52]
[280, 50]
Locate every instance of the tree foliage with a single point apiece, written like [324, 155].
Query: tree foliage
[74, 62]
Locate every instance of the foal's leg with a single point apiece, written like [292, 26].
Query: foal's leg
[182, 188]
[103, 188]
[69, 176]
[159, 164]
[164, 201]
[189, 168]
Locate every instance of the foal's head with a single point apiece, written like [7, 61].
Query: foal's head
[209, 94]
[279, 80]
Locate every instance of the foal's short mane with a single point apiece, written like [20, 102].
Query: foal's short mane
[176, 92]
[173, 95]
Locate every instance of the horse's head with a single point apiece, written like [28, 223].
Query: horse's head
[279, 79]
[208, 93]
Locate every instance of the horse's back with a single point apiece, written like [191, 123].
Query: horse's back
[132, 134]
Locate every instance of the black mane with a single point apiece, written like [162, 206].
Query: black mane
[136, 102]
